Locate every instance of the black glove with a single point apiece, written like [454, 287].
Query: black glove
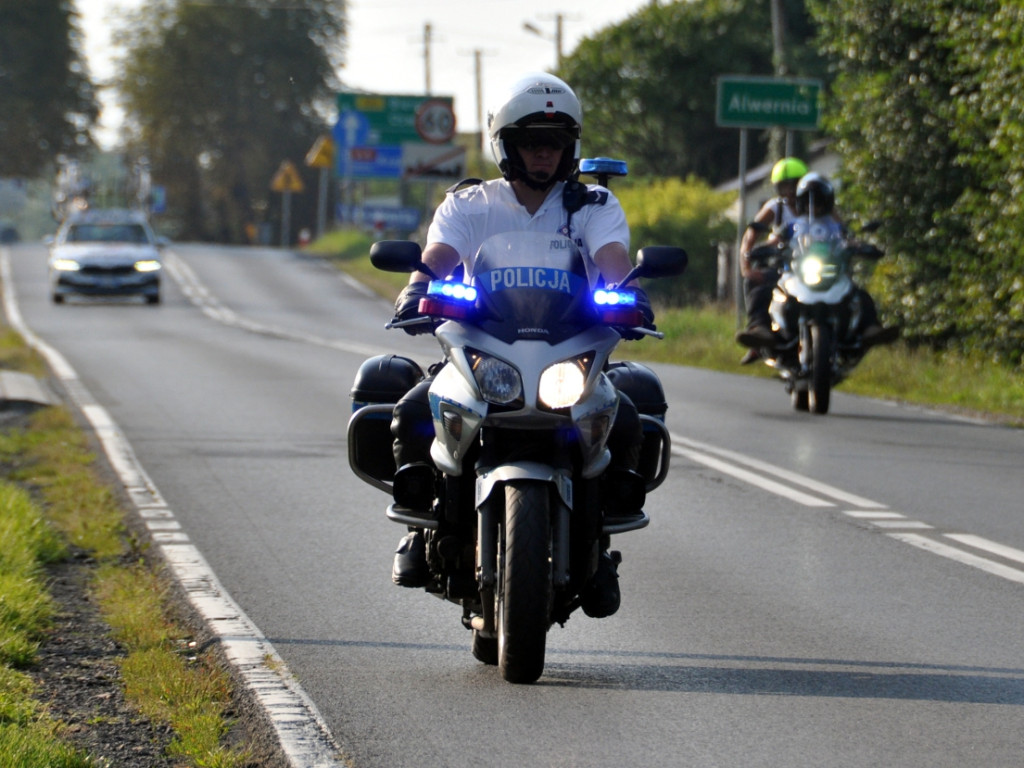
[644, 305]
[407, 307]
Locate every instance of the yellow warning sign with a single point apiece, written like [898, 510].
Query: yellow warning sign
[321, 155]
[287, 179]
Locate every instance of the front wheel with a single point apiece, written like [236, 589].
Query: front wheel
[822, 347]
[524, 581]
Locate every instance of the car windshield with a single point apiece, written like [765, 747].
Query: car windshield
[107, 233]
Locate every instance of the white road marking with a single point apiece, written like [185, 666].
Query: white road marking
[944, 550]
[862, 514]
[1001, 550]
[749, 477]
[873, 512]
[305, 739]
[198, 294]
[762, 466]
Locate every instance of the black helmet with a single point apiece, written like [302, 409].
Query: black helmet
[813, 189]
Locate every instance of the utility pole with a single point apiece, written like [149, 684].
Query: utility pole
[557, 38]
[426, 54]
[478, 68]
[780, 141]
[478, 79]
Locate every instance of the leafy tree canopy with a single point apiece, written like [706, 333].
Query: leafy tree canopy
[648, 85]
[219, 94]
[47, 103]
[927, 111]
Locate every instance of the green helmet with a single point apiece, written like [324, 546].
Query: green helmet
[788, 169]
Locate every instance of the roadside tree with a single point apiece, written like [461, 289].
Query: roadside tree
[49, 103]
[217, 95]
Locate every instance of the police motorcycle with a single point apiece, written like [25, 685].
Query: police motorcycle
[816, 309]
[522, 410]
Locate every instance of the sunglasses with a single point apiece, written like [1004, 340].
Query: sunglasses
[532, 139]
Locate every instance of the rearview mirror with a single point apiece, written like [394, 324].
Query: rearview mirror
[660, 261]
[396, 255]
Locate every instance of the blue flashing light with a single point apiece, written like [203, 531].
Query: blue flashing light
[452, 291]
[605, 297]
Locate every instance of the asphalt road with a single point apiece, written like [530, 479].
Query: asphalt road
[843, 590]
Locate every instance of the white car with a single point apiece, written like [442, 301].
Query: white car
[106, 253]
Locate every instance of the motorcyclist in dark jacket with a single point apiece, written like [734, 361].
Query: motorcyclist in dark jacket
[814, 190]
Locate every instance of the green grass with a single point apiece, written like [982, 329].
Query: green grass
[52, 498]
[350, 251]
[704, 338]
[28, 736]
[164, 676]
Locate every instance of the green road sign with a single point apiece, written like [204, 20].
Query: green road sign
[392, 120]
[768, 102]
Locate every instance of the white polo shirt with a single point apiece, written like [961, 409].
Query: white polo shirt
[469, 216]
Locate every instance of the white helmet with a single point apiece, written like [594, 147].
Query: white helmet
[536, 106]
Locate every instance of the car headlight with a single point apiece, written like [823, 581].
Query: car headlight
[147, 265]
[499, 382]
[66, 265]
[561, 384]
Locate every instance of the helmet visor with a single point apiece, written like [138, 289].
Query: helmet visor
[534, 137]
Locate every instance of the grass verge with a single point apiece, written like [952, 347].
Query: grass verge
[704, 338]
[54, 502]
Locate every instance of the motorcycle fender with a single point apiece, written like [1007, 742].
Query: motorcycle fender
[457, 417]
[593, 418]
[524, 470]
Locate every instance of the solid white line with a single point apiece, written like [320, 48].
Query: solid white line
[304, 736]
[785, 474]
[966, 558]
[749, 477]
[988, 546]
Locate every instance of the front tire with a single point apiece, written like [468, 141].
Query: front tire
[524, 581]
[822, 346]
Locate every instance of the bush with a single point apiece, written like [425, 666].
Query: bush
[685, 213]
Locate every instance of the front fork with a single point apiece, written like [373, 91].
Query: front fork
[491, 519]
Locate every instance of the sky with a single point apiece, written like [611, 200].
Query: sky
[386, 49]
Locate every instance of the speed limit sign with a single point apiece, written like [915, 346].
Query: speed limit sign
[435, 121]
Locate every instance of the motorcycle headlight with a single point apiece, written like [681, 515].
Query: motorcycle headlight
[561, 384]
[499, 382]
[811, 271]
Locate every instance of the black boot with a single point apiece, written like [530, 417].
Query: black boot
[601, 596]
[410, 567]
[756, 335]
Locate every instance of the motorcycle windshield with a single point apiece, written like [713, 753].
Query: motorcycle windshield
[819, 255]
[532, 285]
